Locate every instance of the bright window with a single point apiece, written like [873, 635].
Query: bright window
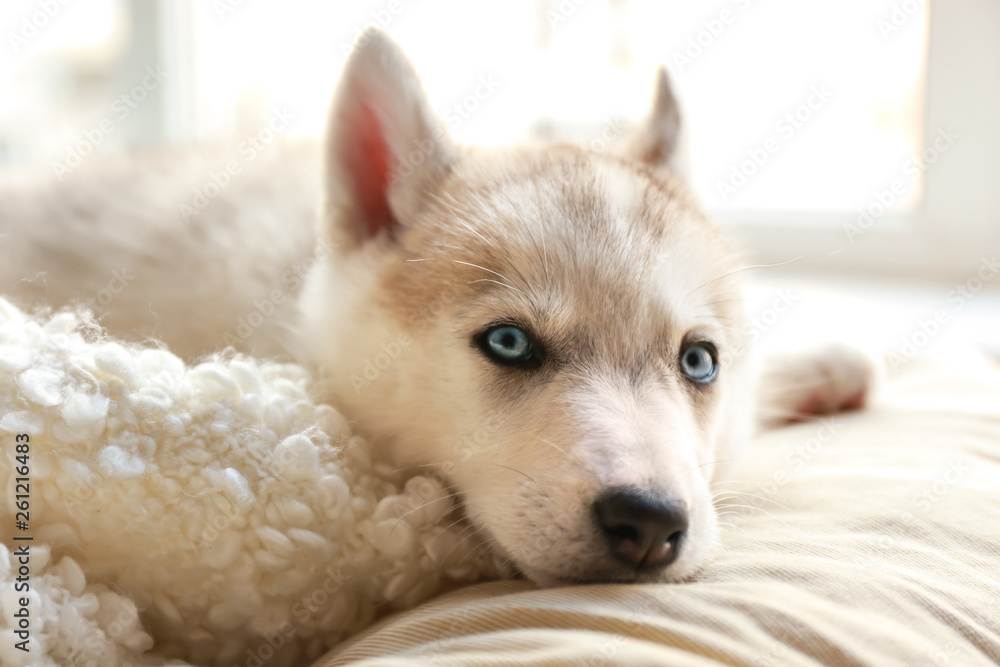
[782, 96]
[804, 117]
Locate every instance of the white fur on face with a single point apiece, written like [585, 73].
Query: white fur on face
[609, 266]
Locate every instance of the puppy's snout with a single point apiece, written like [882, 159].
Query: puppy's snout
[643, 530]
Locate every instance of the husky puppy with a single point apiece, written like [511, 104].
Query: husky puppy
[559, 332]
[577, 310]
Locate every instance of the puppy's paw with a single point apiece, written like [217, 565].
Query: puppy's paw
[841, 378]
[820, 381]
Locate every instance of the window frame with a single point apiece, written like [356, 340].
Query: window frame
[961, 92]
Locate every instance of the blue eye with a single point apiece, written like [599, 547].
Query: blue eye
[698, 362]
[507, 345]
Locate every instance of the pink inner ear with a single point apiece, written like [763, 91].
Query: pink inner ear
[370, 168]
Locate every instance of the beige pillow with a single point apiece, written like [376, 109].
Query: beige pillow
[877, 542]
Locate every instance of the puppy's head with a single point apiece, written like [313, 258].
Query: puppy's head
[556, 330]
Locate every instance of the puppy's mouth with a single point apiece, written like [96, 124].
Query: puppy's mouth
[625, 535]
[604, 569]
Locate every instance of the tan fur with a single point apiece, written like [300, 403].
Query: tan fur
[186, 282]
[604, 257]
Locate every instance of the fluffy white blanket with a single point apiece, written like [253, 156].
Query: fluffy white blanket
[213, 514]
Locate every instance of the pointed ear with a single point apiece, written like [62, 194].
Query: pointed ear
[660, 139]
[384, 146]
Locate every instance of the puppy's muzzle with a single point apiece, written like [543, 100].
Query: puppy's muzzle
[643, 530]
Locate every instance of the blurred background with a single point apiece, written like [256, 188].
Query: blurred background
[853, 144]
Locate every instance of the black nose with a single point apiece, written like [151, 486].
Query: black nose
[643, 530]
